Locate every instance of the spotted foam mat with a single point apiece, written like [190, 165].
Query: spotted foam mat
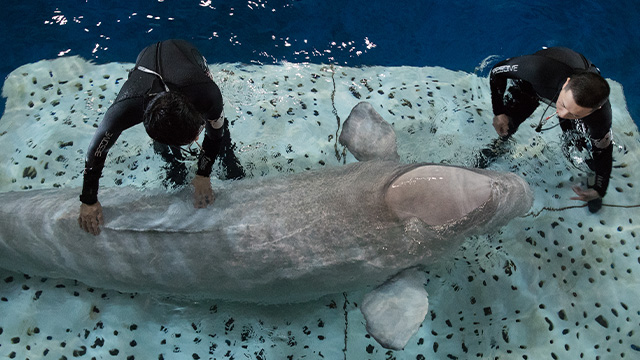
[559, 283]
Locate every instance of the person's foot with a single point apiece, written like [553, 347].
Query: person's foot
[594, 205]
[489, 154]
[233, 168]
[485, 158]
[234, 171]
[176, 175]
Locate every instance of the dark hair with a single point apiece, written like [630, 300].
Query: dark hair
[589, 89]
[171, 119]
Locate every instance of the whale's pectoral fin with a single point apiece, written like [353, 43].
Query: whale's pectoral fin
[367, 135]
[395, 310]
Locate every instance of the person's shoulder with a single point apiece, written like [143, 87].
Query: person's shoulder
[175, 41]
[179, 43]
[600, 121]
[507, 65]
[605, 110]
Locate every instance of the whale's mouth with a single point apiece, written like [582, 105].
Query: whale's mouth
[437, 194]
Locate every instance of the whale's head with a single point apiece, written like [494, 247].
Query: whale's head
[438, 196]
[456, 198]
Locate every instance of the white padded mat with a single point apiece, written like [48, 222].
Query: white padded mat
[560, 283]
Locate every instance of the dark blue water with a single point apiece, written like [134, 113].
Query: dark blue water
[456, 35]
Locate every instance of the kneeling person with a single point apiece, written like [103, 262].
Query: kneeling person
[171, 90]
[565, 79]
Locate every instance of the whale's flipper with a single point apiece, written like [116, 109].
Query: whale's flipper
[367, 135]
[395, 310]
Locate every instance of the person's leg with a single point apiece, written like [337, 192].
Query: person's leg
[228, 158]
[491, 152]
[175, 168]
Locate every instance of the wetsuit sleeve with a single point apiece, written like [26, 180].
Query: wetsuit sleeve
[602, 163]
[212, 147]
[498, 82]
[545, 75]
[516, 98]
[601, 147]
[212, 143]
[110, 128]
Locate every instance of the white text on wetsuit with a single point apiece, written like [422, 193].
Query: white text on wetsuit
[504, 69]
[103, 144]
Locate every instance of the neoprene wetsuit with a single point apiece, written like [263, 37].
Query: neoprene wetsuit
[540, 77]
[183, 69]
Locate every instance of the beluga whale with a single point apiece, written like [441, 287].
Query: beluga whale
[373, 225]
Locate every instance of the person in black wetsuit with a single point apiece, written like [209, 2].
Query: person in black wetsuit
[172, 92]
[566, 80]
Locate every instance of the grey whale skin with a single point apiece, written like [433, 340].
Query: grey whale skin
[268, 240]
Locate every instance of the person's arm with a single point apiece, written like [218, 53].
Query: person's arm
[603, 163]
[211, 146]
[601, 147]
[95, 158]
[500, 73]
[545, 76]
[534, 78]
[90, 218]
[207, 96]
[601, 152]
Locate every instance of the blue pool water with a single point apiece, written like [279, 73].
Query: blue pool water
[456, 35]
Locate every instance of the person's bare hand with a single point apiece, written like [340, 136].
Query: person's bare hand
[584, 194]
[501, 124]
[203, 195]
[90, 218]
